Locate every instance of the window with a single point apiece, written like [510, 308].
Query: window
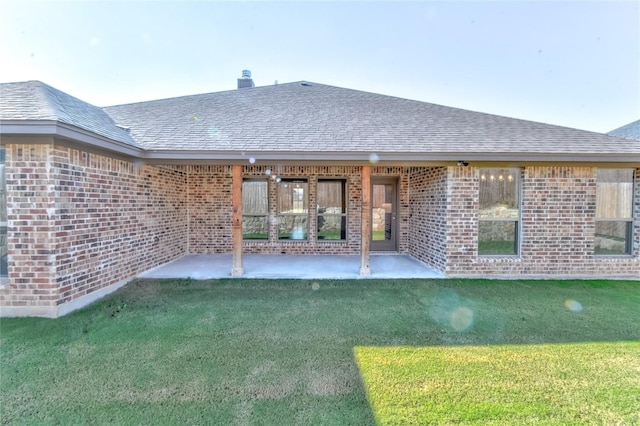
[498, 231]
[255, 210]
[614, 211]
[3, 216]
[293, 209]
[331, 210]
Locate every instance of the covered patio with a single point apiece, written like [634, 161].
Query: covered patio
[213, 266]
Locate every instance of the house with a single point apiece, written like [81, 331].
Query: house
[92, 197]
[628, 131]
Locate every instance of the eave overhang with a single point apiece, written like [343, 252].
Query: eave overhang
[89, 140]
[66, 131]
[351, 157]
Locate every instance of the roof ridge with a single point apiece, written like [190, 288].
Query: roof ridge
[50, 95]
[172, 98]
[68, 109]
[628, 131]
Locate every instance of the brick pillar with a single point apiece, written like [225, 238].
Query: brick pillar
[366, 222]
[31, 285]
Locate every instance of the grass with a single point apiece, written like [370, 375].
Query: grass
[378, 235]
[255, 236]
[331, 352]
[331, 234]
[579, 383]
[490, 247]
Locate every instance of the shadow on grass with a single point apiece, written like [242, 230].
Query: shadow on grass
[275, 351]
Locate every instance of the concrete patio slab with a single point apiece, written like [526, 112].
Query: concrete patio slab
[294, 266]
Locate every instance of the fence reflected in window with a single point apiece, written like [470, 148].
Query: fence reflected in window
[293, 209]
[332, 211]
[255, 210]
[614, 211]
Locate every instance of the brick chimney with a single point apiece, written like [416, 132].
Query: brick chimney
[246, 80]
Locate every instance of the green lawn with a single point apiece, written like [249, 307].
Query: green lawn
[331, 234]
[497, 247]
[378, 235]
[562, 384]
[255, 236]
[331, 352]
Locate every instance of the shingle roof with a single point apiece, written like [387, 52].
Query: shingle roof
[36, 101]
[303, 119]
[311, 117]
[629, 131]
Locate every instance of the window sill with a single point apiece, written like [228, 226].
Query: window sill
[288, 241]
[614, 257]
[499, 257]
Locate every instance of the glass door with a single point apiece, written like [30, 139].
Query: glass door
[383, 214]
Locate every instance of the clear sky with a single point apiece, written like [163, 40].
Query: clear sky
[572, 63]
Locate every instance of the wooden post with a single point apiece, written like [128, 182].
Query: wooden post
[238, 269]
[365, 237]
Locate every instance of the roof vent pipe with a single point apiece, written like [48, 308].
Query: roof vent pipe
[246, 80]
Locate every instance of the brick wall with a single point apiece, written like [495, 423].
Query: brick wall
[557, 227]
[31, 230]
[209, 209]
[427, 217]
[558, 219]
[115, 219]
[80, 222]
[462, 219]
